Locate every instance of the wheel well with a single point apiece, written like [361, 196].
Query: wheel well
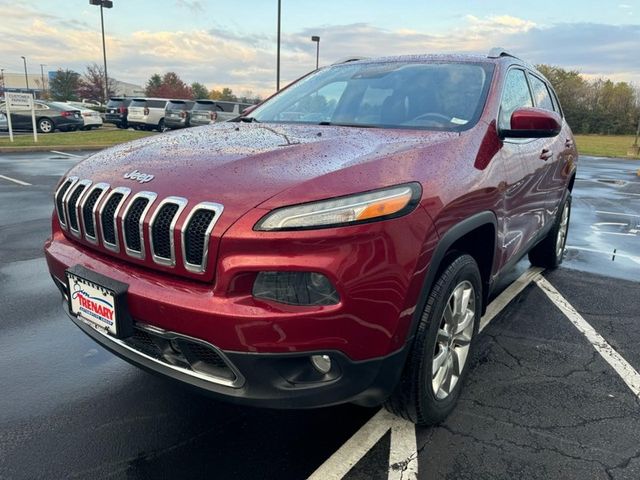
[571, 182]
[480, 244]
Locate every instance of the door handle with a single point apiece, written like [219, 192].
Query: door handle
[546, 154]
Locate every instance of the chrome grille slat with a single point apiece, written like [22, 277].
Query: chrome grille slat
[108, 214]
[91, 211]
[133, 223]
[71, 206]
[88, 208]
[60, 197]
[162, 230]
[197, 231]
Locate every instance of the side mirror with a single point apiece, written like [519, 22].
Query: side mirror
[248, 110]
[533, 123]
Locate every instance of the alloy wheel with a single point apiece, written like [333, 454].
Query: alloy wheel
[562, 231]
[45, 126]
[453, 340]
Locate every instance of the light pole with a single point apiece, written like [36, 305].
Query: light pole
[1, 80]
[44, 89]
[26, 77]
[278, 49]
[103, 4]
[316, 39]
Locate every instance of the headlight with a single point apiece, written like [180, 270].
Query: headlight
[363, 207]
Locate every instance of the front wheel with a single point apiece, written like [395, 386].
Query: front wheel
[437, 364]
[45, 125]
[549, 252]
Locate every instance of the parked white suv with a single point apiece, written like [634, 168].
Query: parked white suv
[147, 113]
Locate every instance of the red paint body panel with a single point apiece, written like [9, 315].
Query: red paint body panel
[378, 268]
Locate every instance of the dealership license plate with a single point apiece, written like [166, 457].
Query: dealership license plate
[92, 303]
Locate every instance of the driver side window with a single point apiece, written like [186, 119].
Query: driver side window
[516, 94]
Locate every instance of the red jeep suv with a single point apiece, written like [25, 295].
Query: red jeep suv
[336, 244]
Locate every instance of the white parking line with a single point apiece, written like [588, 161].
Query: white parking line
[616, 213]
[403, 453]
[609, 254]
[628, 374]
[14, 180]
[67, 154]
[502, 300]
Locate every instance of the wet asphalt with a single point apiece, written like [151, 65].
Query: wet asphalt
[539, 401]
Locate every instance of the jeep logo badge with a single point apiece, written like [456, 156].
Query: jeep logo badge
[139, 176]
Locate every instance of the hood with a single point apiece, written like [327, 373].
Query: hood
[242, 165]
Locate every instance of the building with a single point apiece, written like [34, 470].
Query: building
[15, 82]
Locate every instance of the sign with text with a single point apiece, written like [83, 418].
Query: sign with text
[16, 102]
[19, 101]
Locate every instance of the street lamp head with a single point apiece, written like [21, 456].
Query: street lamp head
[101, 3]
[315, 38]
[23, 57]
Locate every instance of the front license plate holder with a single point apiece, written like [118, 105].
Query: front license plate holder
[99, 301]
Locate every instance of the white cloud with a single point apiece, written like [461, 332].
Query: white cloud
[244, 61]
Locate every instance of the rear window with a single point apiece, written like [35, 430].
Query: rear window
[206, 106]
[179, 105]
[227, 106]
[116, 102]
[156, 103]
[138, 103]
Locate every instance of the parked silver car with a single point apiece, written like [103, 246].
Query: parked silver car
[205, 112]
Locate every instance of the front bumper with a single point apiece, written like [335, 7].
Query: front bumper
[265, 380]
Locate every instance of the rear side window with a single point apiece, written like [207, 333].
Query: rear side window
[541, 93]
[515, 95]
[156, 103]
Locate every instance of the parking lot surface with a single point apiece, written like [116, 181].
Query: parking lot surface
[540, 400]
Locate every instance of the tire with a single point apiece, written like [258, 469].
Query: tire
[46, 125]
[421, 396]
[160, 126]
[549, 252]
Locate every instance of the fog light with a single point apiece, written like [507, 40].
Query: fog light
[322, 363]
[175, 347]
[295, 288]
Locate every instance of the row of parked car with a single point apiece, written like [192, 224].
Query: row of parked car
[52, 116]
[161, 113]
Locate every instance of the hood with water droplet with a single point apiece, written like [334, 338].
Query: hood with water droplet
[243, 165]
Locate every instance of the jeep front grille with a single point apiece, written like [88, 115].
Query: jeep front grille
[95, 213]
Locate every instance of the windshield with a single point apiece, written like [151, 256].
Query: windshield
[439, 96]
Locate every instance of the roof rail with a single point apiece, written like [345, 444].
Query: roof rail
[349, 59]
[497, 52]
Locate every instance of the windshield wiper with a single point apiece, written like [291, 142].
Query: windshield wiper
[355, 125]
[249, 119]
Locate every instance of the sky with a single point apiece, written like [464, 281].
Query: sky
[233, 43]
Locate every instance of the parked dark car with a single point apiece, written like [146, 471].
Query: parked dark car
[339, 243]
[177, 114]
[116, 111]
[50, 116]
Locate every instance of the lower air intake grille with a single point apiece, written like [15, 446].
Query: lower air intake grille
[87, 212]
[132, 224]
[161, 231]
[107, 220]
[196, 236]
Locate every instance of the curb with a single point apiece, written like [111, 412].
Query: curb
[48, 148]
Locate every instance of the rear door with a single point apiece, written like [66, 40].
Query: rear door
[558, 150]
[524, 200]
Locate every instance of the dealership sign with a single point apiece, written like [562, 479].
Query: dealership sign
[20, 102]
